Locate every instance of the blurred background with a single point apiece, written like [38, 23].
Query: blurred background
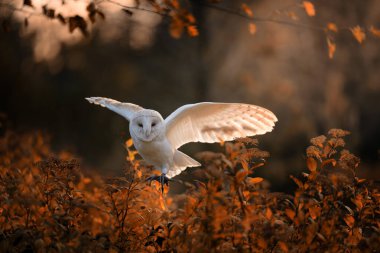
[46, 72]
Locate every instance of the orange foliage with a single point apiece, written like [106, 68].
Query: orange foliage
[47, 205]
[358, 33]
[309, 8]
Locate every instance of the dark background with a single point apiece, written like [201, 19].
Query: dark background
[285, 69]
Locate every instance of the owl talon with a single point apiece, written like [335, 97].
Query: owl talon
[163, 180]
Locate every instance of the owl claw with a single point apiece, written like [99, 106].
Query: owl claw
[163, 180]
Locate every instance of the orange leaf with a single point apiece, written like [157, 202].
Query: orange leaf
[311, 164]
[247, 10]
[190, 18]
[176, 28]
[358, 33]
[283, 246]
[138, 173]
[244, 164]
[252, 28]
[375, 31]
[325, 162]
[297, 181]
[192, 31]
[332, 27]
[174, 4]
[332, 48]
[314, 211]
[290, 213]
[129, 143]
[255, 180]
[309, 8]
[86, 180]
[241, 175]
[349, 220]
[268, 213]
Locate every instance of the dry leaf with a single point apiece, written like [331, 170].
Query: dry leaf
[309, 8]
[241, 175]
[332, 27]
[268, 213]
[311, 164]
[375, 31]
[176, 28]
[247, 10]
[192, 31]
[129, 143]
[283, 246]
[252, 28]
[332, 48]
[349, 220]
[290, 213]
[255, 180]
[314, 211]
[358, 33]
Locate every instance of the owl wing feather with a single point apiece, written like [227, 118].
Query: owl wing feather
[127, 110]
[214, 122]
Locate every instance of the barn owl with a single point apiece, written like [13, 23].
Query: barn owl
[157, 140]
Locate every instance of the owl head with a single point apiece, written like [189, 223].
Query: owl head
[147, 125]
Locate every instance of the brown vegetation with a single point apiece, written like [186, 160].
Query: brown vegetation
[48, 205]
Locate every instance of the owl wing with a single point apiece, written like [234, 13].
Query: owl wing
[215, 122]
[127, 110]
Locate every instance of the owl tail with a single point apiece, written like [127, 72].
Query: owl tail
[181, 162]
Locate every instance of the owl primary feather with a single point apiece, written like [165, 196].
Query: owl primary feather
[157, 140]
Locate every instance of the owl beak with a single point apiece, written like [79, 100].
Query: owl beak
[147, 132]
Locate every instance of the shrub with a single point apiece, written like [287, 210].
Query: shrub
[48, 205]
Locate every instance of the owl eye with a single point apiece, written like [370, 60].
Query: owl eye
[140, 125]
[153, 124]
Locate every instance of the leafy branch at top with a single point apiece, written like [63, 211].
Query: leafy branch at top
[182, 20]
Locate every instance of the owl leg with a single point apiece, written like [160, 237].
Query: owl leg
[163, 180]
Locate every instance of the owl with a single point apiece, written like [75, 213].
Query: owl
[157, 140]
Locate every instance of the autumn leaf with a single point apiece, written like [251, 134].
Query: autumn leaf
[349, 219]
[78, 22]
[375, 31]
[48, 12]
[290, 213]
[268, 213]
[61, 19]
[28, 3]
[192, 31]
[311, 164]
[332, 27]
[358, 33]
[247, 10]
[309, 8]
[240, 175]
[174, 4]
[331, 47]
[244, 164]
[255, 180]
[283, 246]
[128, 12]
[129, 143]
[252, 28]
[176, 27]
[190, 18]
[314, 211]
[329, 161]
[297, 181]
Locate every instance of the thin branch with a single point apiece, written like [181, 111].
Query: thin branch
[258, 19]
[165, 13]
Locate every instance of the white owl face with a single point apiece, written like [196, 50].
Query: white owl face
[147, 126]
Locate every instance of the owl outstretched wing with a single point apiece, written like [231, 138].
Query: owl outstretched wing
[215, 122]
[127, 110]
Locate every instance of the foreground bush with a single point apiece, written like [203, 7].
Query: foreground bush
[47, 205]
